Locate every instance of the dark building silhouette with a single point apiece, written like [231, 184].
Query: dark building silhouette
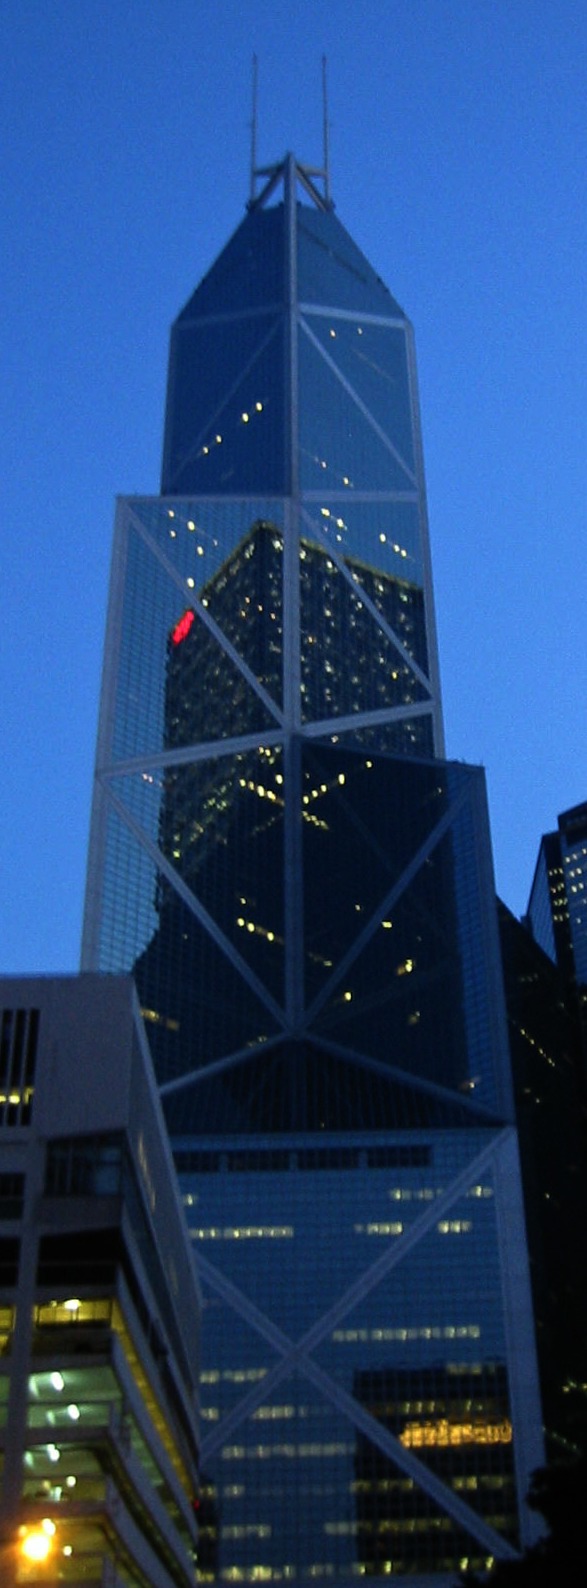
[557, 910]
[303, 888]
[545, 1043]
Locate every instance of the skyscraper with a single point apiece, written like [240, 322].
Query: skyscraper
[545, 1052]
[557, 913]
[303, 889]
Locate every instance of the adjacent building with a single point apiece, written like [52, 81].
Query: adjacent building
[557, 905]
[545, 1047]
[99, 1303]
[302, 888]
[557, 908]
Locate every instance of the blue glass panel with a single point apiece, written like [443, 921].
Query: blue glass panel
[225, 427]
[418, 995]
[151, 605]
[424, 1354]
[219, 825]
[245, 599]
[288, 1086]
[333, 271]
[176, 685]
[412, 736]
[340, 448]
[207, 372]
[376, 813]
[573, 857]
[250, 271]
[129, 894]
[373, 360]
[383, 535]
[206, 696]
[198, 1006]
[435, 1304]
[475, 909]
[348, 663]
[540, 902]
[401, 1000]
[341, 624]
[196, 537]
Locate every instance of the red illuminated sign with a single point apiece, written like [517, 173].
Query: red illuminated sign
[183, 627]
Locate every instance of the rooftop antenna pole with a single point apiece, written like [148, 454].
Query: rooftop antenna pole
[326, 128]
[254, 130]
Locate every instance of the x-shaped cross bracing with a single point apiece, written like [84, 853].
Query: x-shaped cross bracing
[297, 1356]
[388, 902]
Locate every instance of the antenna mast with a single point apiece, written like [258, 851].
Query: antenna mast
[305, 174]
[326, 128]
[254, 130]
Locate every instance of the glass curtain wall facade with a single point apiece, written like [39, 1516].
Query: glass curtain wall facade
[303, 890]
[557, 912]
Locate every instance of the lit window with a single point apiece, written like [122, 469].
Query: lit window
[454, 1226]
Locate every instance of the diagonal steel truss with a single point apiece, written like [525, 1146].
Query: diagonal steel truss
[297, 1355]
[304, 1021]
[294, 1017]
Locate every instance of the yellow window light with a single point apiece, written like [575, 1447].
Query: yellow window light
[36, 1543]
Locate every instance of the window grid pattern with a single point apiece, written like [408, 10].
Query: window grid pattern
[424, 1354]
[19, 1033]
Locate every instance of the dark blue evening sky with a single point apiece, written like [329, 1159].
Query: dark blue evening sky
[459, 161]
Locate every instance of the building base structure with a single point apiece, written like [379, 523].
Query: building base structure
[99, 1302]
[360, 1398]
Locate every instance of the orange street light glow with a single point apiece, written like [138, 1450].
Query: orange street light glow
[36, 1546]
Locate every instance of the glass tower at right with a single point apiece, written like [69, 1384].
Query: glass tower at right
[303, 889]
[557, 912]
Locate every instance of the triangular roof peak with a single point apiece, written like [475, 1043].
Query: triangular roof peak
[290, 170]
